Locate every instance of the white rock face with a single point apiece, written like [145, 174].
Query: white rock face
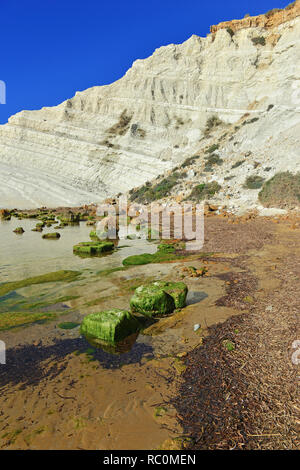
[108, 139]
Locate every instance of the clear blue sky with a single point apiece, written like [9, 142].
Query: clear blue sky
[52, 48]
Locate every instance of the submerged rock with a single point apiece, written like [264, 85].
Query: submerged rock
[69, 217]
[19, 230]
[110, 326]
[93, 248]
[51, 236]
[93, 235]
[152, 300]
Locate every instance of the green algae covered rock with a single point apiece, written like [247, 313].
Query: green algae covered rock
[109, 326]
[152, 300]
[177, 290]
[93, 235]
[19, 230]
[93, 248]
[69, 218]
[51, 236]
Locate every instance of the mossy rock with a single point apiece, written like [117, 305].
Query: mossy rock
[136, 260]
[19, 230]
[69, 218]
[177, 290]
[93, 235]
[152, 300]
[93, 248]
[110, 326]
[51, 236]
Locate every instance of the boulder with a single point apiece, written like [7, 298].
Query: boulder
[177, 290]
[93, 248]
[109, 326]
[152, 300]
[69, 218]
[51, 236]
[19, 230]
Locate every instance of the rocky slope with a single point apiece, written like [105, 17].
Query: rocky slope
[108, 139]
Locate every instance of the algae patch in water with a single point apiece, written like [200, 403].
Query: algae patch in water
[57, 276]
[68, 325]
[10, 320]
[165, 252]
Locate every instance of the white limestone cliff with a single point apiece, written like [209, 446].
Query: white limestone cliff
[108, 139]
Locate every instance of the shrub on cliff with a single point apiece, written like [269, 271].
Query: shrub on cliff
[259, 40]
[254, 182]
[283, 191]
[204, 191]
[272, 12]
[148, 193]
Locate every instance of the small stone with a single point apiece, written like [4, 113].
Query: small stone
[196, 327]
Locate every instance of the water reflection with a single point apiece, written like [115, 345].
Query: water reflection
[121, 347]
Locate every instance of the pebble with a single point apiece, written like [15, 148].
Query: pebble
[196, 327]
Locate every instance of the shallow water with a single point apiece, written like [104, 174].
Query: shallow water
[26, 255]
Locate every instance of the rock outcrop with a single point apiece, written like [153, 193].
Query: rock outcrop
[108, 139]
[271, 19]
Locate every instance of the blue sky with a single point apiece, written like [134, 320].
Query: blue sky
[52, 48]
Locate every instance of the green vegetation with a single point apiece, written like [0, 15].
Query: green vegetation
[189, 161]
[254, 182]
[250, 121]
[230, 31]
[160, 411]
[106, 272]
[68, 325]
[51, 236]
[19, 230]
[148, 193]
[122, 126]
[93, 248]
[212, 148]
[212, 122]
[259, 40]
[165, 252]
[229, 345]
[283, 190]
[152, 300]
[177, 290]
[110, 326]
[10, 320]
[272, 12]
[24, 305]
[213, 159]
[204, 191]
[57, 276]
[237, 164]
[290, 5]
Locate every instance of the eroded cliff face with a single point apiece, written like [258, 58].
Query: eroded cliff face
[108, 139]
[270, 20]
